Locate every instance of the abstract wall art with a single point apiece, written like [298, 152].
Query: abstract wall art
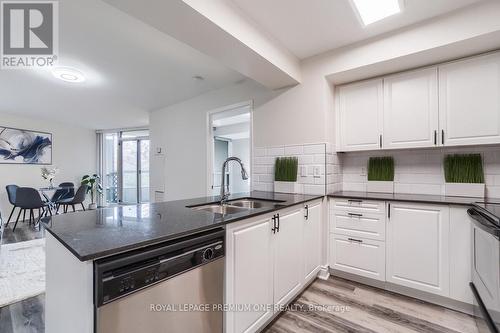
[18, 146]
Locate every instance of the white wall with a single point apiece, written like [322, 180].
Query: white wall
[73, 152]
[180, 131]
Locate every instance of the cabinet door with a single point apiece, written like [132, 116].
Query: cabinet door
[359, 109]
[469, 101]
[312, 241]
[417, 247]
[249, 274]
[287, 257]
[411, 109]
[460, 254]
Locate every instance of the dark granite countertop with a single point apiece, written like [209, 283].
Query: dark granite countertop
[423, 198]
[99, 233]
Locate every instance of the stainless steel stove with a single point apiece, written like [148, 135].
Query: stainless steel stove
[485, 283]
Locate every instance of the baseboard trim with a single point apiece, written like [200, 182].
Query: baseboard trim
[324, 273]
[406, 291]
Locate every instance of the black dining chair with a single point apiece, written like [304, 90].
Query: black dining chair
[28, 198]
[61, 194]
[11, 195]
[78, 199]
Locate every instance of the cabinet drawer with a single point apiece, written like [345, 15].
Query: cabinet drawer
[370, 226]
[358, 256]
[358, 205]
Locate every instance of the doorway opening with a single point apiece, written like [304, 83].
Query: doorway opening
[126, 167]
[230, 132]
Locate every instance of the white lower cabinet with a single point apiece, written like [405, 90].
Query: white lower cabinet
[358, 256]
[287, 257]
[311, 248]
[418, 247]
[460, 254]
[249, 274]
[265, 260]
[421, 246]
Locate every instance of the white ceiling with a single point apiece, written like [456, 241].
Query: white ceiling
[131, 68]
[310, 27]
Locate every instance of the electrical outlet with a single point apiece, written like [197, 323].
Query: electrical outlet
[317, 172]
[303, 171]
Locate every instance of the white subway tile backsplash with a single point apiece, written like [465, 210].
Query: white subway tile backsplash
[319, 159]
[314, 149]
[275, 151]
[314, 189]
[293, 150]
[347, 186]
[310, 156]
[418, 171]
[263, 160]
[306, 159]
[259, 152]
[266, 178]
[260, 169]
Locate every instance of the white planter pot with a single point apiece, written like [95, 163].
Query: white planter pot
[380, 186]
[464, 190]
[92, 206]
[287, 187]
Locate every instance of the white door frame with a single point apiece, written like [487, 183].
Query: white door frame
[210, 140]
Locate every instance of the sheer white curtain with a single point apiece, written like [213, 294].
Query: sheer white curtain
[101, 166]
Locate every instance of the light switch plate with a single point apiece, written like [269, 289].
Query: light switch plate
[303, 171]
[317, 172]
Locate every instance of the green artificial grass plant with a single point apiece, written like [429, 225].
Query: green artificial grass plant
[285, 169]
[381, 168]
[466, 168]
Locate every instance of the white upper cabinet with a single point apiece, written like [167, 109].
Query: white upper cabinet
[411, 109]
[469, 101]
[360, 111]
[454, 104]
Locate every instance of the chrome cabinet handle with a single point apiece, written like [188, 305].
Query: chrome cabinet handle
[355, 240]
[273, 229]
[354, 200]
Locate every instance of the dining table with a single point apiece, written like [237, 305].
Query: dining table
[48, 194]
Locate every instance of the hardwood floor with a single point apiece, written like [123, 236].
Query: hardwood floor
[339, 305]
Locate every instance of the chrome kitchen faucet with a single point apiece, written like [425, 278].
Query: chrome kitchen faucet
[224, 193]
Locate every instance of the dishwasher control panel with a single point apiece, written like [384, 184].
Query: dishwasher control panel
[116, 280]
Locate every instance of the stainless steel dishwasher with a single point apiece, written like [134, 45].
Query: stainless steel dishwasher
[171, 287]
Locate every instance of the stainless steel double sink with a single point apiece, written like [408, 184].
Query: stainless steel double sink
[237, 205]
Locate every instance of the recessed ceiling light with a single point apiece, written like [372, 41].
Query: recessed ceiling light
[372, 11]
[68, 74]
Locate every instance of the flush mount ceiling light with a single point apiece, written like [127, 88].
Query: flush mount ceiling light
[371, 11]
[68, 74]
